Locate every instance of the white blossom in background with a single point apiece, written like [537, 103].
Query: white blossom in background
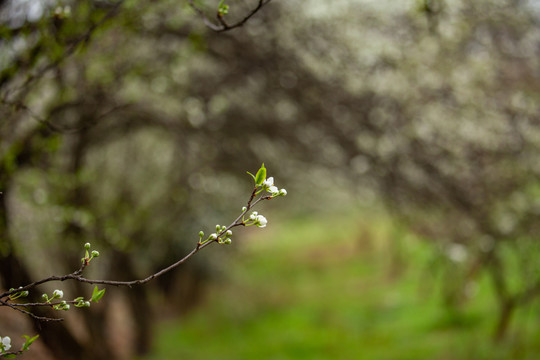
[457, 252]
[58, 294]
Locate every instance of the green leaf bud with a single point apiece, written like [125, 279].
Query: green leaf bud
[97, 294]
[261, 175]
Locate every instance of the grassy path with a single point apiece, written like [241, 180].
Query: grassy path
[332, 288]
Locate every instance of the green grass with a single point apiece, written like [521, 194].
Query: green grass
[337, 288]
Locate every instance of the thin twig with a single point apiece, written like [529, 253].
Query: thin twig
[40, 318]
[77, 275]
[224, 26]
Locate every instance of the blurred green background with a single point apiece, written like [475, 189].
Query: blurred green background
[308, 289]
[407, 135]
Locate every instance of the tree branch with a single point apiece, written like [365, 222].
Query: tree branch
[223, 25]
[77, 275]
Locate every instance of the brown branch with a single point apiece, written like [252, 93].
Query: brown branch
[19, 105]
[5, 354]
[77, 275]
[40, 318]
[71, 47]
[223, 25]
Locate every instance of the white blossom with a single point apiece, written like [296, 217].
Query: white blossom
[260, 221]
[58, 294]
[268, 182]
[6, 342]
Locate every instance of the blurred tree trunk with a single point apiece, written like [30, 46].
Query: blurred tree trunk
[14, 273]
[506, 310]
[139, 305]
[504, 297]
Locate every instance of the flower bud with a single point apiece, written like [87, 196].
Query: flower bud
[218, 227]
[213, 236]
[228, 233]
[244, 209]
[227, 241]
[282, 192]
[58, 294]
[201, 234]
[95, 253]
[87, 246]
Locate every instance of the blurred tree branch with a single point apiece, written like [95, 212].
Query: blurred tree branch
[222, 25]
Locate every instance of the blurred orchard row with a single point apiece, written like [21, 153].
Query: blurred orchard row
[130, 124]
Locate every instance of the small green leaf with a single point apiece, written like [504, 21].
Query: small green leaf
[253, 176]
[261, 175]
[28, 342]
[97, 294]
[222, 8]
[12, 356]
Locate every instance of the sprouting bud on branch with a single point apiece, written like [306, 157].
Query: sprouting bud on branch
[221, 236]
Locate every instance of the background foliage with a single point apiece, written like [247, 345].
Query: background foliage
[131, 124]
